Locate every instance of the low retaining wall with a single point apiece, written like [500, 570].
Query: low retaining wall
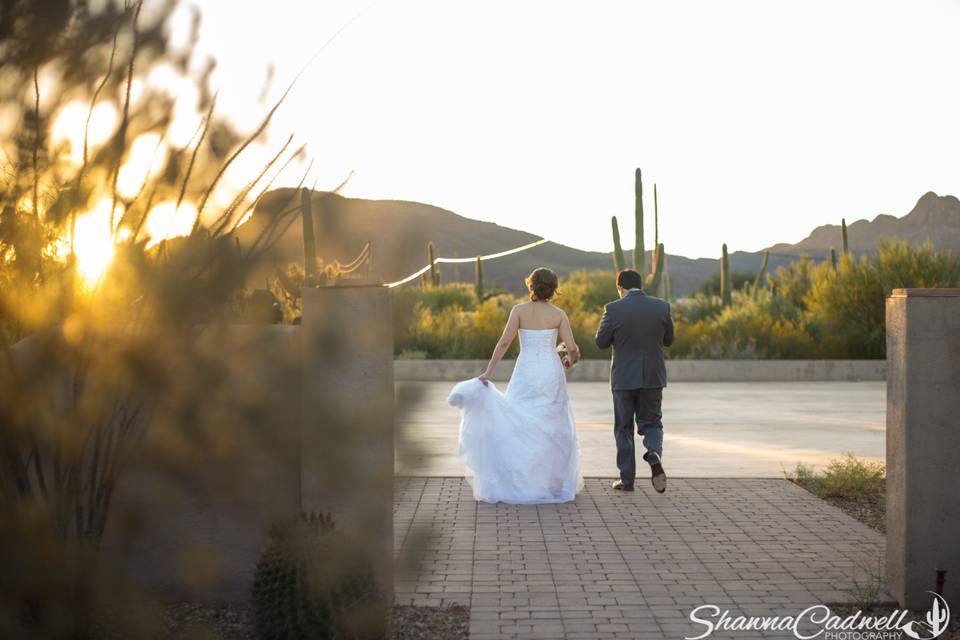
[677, 370]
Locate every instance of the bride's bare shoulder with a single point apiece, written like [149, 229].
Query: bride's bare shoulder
[557, 311]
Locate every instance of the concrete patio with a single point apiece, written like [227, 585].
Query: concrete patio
[613, 565]
[730, 531]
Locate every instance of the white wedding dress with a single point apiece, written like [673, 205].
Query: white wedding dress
[521, 447]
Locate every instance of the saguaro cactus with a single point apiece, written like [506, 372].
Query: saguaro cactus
[309, 242]
[656, 218]
[639, 253]
[667, 286]
[619, 264]
[763, 268]
[655, 278]
[478, 283]
[844, 247]
[726, 293]
[833, 258]
[431, 256]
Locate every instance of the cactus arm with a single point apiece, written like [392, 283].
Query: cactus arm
[655, 278]
[639, 253]
[309, 242]
[478, 286]
[667, 288]
[725, 292]
[431, 255]
[619, 264]
[844, 247]
[656, 217]
[763, 268]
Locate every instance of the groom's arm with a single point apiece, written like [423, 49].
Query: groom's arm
[668, 329]
[604, 337]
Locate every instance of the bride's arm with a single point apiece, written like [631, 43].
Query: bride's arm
[509, 333]
[566, 336]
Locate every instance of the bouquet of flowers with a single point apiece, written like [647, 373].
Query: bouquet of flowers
[565, 356]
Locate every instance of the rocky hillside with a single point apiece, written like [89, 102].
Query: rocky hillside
[934, 219]
[399, 232]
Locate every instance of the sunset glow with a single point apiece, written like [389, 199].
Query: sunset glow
[147, 155]
[71, 120]
[93, 244]
[167, 221]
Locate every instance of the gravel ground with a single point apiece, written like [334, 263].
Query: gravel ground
[871, 510]
[233, 622]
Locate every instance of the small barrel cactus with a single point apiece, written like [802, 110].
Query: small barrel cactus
[312, 582]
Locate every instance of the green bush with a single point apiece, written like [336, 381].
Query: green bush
[849, 305]
[697, 308]
[847, 477]
[711, 286]
[807, 311]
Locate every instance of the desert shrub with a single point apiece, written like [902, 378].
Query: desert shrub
[583, 296]
[96, 299]
[449, 295]
[757, 325]
[586, 291]
[711, 286]
[847, 477]
[792, 282]
[696, 308]
[808, 310]
[584, 325]
[847, 308]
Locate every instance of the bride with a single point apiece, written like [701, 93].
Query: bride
[521, 447]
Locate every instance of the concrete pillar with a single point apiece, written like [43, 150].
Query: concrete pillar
[923, 445]
[348, 421]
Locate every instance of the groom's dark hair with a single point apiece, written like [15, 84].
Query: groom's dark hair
[629, 279]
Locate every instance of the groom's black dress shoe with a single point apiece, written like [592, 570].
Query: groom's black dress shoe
[619, 486]
[657, 476]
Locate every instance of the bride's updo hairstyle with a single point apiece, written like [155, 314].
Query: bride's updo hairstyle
[542, 284]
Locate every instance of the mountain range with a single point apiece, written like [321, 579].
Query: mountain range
[400, 230]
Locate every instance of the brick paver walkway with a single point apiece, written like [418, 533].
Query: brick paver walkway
[614, 565]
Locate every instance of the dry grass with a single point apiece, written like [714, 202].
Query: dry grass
[855, 486]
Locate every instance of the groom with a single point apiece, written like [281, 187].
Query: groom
[638, 326]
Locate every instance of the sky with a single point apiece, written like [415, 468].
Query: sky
[758, 120]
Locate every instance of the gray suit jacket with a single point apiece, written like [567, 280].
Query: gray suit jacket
[638, 326]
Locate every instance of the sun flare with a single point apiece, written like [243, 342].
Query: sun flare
[71, 121]
[146, 157]
[93, 244]
[167, 221]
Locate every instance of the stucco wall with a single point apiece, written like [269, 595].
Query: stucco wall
[677, 370]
